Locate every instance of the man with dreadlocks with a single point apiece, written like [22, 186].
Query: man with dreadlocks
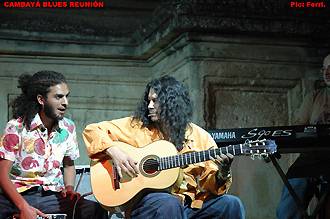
[165, 114]
[35, 143]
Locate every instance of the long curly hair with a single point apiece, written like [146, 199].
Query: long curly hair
[175, 108]
[26, 105]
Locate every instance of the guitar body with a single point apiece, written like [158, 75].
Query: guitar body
[159, 165]
[112, 192]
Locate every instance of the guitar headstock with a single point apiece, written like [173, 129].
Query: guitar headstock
[259, 148]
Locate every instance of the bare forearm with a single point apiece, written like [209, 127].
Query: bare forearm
[69, 175]
[69, 172]
[8, 187]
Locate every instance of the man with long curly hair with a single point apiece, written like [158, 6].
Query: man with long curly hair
[165, 114]
[35, 143]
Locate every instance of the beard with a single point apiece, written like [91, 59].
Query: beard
[50, 113]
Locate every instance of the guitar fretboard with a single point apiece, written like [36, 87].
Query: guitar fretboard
[196, 157]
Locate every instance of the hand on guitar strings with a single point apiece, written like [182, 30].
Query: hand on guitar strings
[224, 162]
[122, 162]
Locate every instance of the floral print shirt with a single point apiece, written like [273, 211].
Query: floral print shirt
[37, 156]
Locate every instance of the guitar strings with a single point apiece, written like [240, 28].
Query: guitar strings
[176, 160]
[194, 157]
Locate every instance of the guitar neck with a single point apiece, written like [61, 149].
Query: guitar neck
[196, 157]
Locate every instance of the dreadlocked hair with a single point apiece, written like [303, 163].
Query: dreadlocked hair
[175, 108]
[26, 106]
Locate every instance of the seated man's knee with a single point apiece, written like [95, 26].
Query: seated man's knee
[232, 202]
[228, 206]
[169, 203]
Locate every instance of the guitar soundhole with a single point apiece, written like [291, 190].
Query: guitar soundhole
[150, 166]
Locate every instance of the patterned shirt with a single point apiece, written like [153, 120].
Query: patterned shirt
[37, 156]
[199, 180]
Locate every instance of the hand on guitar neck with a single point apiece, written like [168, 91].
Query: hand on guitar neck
[224, 162]
[123, 162]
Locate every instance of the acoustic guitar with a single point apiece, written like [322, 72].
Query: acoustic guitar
[159, 164]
